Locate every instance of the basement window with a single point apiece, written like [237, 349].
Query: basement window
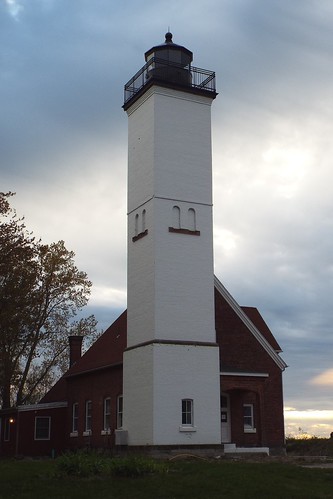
[42, 428]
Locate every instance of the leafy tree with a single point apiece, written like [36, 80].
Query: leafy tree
[41, 292]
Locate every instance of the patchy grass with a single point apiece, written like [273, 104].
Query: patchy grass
[185, 479]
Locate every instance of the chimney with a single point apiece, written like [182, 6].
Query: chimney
[75, 345]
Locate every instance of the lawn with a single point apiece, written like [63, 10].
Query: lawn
[41, 479]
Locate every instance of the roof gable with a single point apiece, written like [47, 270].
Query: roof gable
[107, 350]
[258, 321]
[264, 337]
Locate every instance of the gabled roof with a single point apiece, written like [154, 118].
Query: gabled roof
[56, 393]
[256, 318]
[107, 351]
[264, 337]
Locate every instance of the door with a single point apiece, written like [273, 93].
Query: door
[225, 418]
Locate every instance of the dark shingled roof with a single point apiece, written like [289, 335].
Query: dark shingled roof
[106, 351]
[255, 317]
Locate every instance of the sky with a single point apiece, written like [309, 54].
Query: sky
[63, 150]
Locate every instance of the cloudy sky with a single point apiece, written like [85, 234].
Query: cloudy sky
[63, 150]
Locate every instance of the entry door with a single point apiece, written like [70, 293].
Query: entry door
[225, 418]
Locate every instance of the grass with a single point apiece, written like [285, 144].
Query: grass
[40, 479]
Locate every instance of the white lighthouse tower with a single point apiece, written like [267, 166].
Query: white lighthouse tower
[171, 364]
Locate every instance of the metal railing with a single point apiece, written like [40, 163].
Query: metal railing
[171, 73]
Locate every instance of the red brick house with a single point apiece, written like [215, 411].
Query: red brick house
[84, 408]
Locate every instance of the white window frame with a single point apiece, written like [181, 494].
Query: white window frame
[48, 428]
[75, 420]
[88, 418]
[187, 415]
[106, 415]
[120, 409]
[249, 425]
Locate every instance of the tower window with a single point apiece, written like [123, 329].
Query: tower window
[187, 412]
[176, 217]
[191, 219]
[143, 220]
[136, 230]
[140, 231]
[191, 228]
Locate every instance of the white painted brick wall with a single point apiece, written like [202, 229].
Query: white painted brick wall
[170, 275]
[152, 409]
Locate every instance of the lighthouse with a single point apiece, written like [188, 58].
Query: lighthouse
[171, 386]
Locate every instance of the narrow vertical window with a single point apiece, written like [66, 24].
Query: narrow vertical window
[120, 411]
[88, 416]
[42, 428]
[248, 417]
[75, 417]
[107, 414]
[6, 435]
[191, 219]
[176, 217]
[136, 229]
[187, 412]
[143, 220]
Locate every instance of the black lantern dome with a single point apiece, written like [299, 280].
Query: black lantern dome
[170, 62]
[170, 52]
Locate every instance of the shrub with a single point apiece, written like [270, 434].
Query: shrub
[313, 446]
[85, 464]
[81, 464]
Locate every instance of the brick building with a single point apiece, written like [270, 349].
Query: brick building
[84, 408]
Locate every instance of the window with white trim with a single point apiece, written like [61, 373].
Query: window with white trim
[42, 428]
[248, 415]
[187, 412]
[120, 411]
[75, 417]
[107, 414]
[88, 418]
